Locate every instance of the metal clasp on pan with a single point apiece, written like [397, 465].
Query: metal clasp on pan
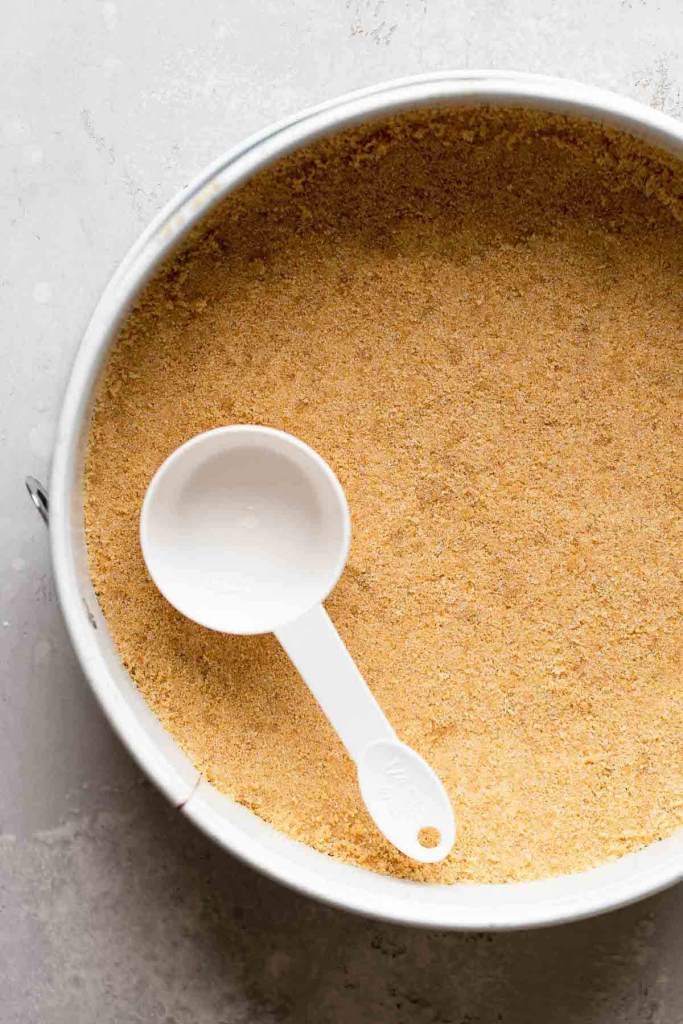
[38, 495]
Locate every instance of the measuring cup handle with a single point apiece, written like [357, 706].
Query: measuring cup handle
[329, 671]
[400, 790]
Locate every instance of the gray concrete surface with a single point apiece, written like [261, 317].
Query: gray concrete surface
[112, 909]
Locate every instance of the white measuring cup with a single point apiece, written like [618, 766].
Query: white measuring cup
[246, 530]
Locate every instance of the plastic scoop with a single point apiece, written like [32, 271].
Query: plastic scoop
[246, 530]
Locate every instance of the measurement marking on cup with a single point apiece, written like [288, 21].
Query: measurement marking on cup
[396, 769]
[400, 789]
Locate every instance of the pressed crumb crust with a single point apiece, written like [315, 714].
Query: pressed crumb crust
[475, 317]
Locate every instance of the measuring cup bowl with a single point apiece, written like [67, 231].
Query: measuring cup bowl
[245, 528]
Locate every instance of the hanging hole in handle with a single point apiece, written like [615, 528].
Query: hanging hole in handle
[429, 837]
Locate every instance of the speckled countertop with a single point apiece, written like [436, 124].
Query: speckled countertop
[112, 908]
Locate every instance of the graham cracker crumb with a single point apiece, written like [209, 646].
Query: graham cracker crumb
[475, 317]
